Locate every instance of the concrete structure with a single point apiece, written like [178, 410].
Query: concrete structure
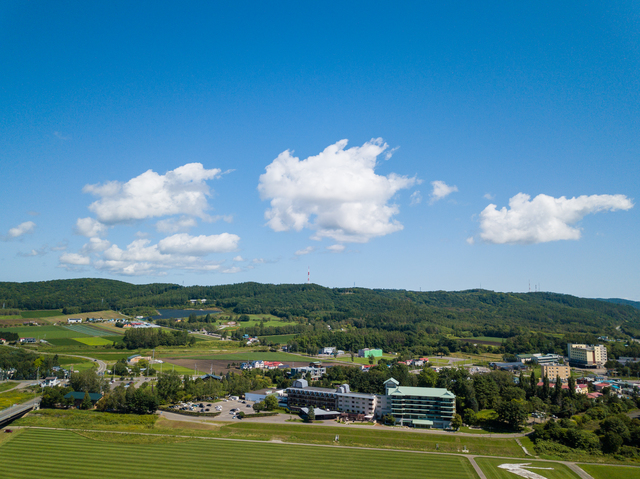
[309, 372]
[582, 355]
[418, 407]
[261, 394]
[365, 353]
[50, 381]
[546, 358]
[340, 399]
[327, 351]
[74, 320]
[553, 371]
[517, 366]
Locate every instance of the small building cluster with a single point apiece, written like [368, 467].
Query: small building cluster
[585, 356]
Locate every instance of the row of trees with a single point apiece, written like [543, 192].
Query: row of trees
[148, 338]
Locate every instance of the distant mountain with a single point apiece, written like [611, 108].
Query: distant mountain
[634, 304]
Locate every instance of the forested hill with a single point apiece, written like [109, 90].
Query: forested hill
[628, 302]
[480, 311]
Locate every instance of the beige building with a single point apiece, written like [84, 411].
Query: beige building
[585, 355]
[553, 371]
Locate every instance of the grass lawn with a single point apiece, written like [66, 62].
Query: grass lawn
[204, 458]
[556, 470]
[10, 398]
[89, 330]
[94, 341]
[611, 472]
[47, 332]
[5, 386]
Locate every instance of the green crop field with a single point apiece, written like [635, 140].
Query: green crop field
[251, 356]
[41, 314]
[64, 342]
[611, 472]
[549, 470]
[94, 341]
[278, 339]
[212, 458]
[88, 330]
[47, 332]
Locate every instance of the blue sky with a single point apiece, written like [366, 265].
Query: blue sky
[419, 146]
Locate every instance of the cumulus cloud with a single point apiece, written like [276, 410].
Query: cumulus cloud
[174, 225]
[20, 230]
[307, 250]
[544, 218]
[199, 245]
[238, 258]
[90, 227]
[441, 190]
[336, 193]
[336, 248]
[74, 259]
[233, 269]
[180, 191]
[34, 252]
[488, 196]
[95, 245]
[416, 198]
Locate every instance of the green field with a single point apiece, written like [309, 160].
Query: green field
[250, 356]
[41, 314]
[5, 386]
[209, 458]
[611, 472]
[550, 470]
[278, 339]
[89, 330]
[16, 396]
[94, 341]
[47, 332]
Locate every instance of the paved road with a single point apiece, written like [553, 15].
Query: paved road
[17, 409]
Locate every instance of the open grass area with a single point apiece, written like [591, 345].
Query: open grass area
[379, 438]
[549, 470]
[94, 341]
[611, 472]
[250, 356]
[278, 339]
[51, 313]
[46, 332]
[221, 459]
[10, 398]
[88, 329]
[6, 385]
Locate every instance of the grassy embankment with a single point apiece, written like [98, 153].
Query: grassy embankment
[549, 470]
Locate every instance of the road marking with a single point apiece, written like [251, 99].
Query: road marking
[519, 469]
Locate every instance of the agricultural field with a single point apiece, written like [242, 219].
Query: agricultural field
[197, 458]
[252, 356]
[41, 314]
[611, 472]
[278, 339]
[548, 470]
[16, 396]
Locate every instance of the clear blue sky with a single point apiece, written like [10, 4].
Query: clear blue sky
[422, 146]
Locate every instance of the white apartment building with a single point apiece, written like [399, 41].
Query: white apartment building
[587, 356]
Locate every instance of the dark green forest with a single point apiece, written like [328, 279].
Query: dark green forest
[355, 317]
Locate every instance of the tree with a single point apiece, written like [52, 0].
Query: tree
[456, 422]
[513, 413]
[427, 378]
[311, 415]
[470, 417]
[258, 406]
[611, 442]
[88, 381]
[169, 384]
[86, 402]
[270, 402]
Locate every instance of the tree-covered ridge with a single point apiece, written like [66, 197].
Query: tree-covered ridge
[493, 314]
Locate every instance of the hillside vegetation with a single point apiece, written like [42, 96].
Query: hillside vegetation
[476, 312]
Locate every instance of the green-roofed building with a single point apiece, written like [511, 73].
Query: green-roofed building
[418, 407]
[78, 397]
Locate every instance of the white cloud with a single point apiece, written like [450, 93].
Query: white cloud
[21, 229]
[416, 198]
[544, 218]
[470, 240]
[95, 245]
[389, 154]
[174, 225]
[307, 250]
[259, 261]
[488, 196]
[74, 259]
[199, 245]
[180, 191]
[335, 193]
[60, 246]
[233, 269]
[238, 258]
[336, 248]
[90, 227]
[441, 190]
[34, 252]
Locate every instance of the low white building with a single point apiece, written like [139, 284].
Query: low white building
[74, 320]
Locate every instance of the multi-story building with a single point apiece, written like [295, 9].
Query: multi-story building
[365, 353]
[583, 355]
[553, 371]
[340, 399]
[418, 407]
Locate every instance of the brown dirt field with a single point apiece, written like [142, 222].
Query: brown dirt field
[220, 366]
